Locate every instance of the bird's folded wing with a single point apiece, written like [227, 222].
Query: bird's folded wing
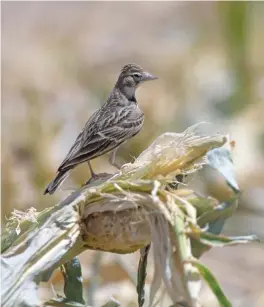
[94, 141]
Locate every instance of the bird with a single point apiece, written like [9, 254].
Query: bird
[115, 122]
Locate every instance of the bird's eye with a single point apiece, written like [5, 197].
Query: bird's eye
[137, 76]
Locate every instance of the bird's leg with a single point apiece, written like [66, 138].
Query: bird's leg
[112, 159]
[91, 170]
[95, 176]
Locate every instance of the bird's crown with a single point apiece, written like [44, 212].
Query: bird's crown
[131, 68]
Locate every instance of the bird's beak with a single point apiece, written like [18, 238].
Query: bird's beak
[148, 76]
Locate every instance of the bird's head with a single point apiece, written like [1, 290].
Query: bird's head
[131, 77]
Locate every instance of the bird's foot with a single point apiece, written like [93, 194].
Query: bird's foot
[96, 177]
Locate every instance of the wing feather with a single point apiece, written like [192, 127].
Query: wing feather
[103, 132]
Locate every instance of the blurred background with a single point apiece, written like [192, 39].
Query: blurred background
[60, 60]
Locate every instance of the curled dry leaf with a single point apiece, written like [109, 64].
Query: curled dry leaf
[173, 153]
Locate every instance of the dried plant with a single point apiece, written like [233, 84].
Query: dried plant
[121, 213]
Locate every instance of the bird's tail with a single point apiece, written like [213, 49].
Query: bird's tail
[56, 182]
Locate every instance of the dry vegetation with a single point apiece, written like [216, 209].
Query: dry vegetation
[59, 61]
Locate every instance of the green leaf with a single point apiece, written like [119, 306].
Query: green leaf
[212, 283]
[72, 274]
[142, 273]
[221, 160]
[213, 221]
[219, 240]
[216, 218]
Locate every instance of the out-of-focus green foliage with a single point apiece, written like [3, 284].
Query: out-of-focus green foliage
[235, 23]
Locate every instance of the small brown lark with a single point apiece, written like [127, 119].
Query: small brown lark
[118, 120]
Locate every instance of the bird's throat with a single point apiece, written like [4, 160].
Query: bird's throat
[129, 92]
